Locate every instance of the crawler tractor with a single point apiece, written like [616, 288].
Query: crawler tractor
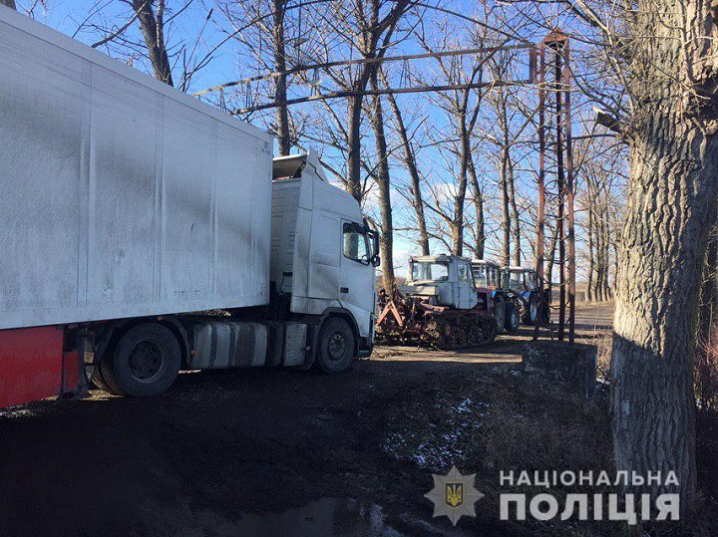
[507, 307]
[439, 306]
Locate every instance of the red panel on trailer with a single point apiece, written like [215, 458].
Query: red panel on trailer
[30, 364]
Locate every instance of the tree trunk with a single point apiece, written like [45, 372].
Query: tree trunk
[384, 184]
[280, 66]
[152, 26]
[410, 161]
[479, 210]
[672, 189]
[505, 206]
[457, 225]
[591, 263]
[514, 213]
[606, 258]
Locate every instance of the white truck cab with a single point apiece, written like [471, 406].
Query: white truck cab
[323, 252]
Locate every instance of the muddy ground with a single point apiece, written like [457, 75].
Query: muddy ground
[250, 452]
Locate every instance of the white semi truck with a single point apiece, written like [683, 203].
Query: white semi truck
[144, 232]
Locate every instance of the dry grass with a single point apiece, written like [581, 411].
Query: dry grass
[498, 422]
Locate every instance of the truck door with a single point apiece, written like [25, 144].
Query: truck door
[356, 292]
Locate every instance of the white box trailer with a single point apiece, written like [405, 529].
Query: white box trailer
[127, 205]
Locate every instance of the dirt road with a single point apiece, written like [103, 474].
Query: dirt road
[250, 452]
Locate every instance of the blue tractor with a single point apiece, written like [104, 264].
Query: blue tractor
[521, 284]
[507, 308]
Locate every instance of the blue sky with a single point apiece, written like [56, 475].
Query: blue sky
[76, 18]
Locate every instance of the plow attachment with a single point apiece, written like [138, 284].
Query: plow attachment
[412, 320]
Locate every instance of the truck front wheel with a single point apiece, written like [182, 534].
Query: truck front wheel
[146, 361]
[335, 348]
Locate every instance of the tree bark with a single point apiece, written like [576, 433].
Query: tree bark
[514, 214]
[591, 262]
[384, 185]
[672, 189]
[152, 26]
[505, 206]
[479, 210]
[457, 224]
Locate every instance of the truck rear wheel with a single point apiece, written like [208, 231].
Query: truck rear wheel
[145, 363]
[335, 348]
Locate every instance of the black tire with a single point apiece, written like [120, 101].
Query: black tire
[335, 347]
[104, 377]
[489, 333]
[500, 313]
[145, 363]
[513, 317]
[531, 312]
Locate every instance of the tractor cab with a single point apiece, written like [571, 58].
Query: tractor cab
[487, 274]
[443, 280]
[521, 283]
[519, 279]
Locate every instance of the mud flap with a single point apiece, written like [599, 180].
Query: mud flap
[31, 364]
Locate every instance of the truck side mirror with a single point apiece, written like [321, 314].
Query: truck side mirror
[376, 260]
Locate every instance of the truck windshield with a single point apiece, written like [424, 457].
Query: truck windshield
[427, 271]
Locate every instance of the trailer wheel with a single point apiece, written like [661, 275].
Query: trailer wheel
[146, 361]
[513, 317]
[500, 314]
[335, 348]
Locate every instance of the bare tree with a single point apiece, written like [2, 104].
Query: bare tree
[266, 41]
[152, 24]
[461, 107]
[415, 196]
[668, 53]
[383, 181]
[369, 27]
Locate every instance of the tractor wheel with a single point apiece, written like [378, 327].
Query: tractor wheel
[500, 314]
[461, 338]
[473, 336]
[488, 332]
[513, 317]
[531, 313]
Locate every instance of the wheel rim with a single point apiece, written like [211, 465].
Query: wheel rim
[146, 361]
[337, 346]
